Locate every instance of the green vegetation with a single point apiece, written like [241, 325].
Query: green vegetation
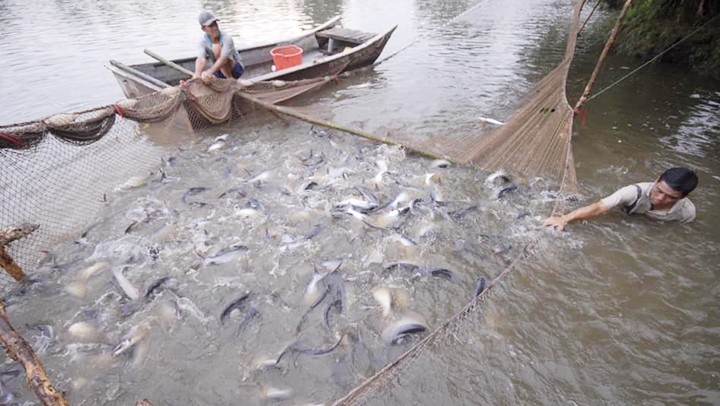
[651, 26]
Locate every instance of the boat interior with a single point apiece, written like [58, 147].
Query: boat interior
[258, 60]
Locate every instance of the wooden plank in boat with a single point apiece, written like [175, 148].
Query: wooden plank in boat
[345, 34]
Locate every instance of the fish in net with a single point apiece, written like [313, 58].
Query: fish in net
[535, 141]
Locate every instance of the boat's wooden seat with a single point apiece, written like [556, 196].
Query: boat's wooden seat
[346, 35]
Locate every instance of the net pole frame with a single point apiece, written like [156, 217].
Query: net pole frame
[603, 55]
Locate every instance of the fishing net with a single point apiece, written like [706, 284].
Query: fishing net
[51, 184]
[49, 181]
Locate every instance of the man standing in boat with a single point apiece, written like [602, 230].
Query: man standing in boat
[665, 200]
[217, 48]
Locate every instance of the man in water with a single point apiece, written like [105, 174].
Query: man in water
[217, 48]
[665, 200]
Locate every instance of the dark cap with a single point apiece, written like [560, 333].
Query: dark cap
[206, 18]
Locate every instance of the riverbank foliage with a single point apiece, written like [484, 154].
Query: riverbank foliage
[652, 26]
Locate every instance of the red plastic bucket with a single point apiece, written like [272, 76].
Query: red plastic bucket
[286, 56]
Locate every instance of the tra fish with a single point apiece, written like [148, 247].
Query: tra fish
[78, 288]
[219, 143]
[226, 255]
[130, 290]
[133, 336]
[235, 304]
[406, 325]
[480, 285]
[384, 297]
[313, 292]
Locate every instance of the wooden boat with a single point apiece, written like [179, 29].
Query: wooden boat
[327, 50]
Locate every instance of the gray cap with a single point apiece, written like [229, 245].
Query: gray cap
[206, 18]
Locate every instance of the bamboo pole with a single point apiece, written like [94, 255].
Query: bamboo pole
[293, 113]
[603, 55]
[8, 235]
[19, 350]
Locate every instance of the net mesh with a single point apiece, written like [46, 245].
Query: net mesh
[49, 181]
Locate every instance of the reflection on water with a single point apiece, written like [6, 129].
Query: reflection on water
[620, 310]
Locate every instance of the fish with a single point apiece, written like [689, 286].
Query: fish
[386, 220]
[356, 214]
[440, 163]
[405, 241]
[133, 336]
[402, 265]
[377, 179]
[133, 226]
[276, 394]
[255, 204]
[265, 362]
[479, 288]
[307, 185]
[368, 195]
[261, 177]
[431, 178]
[384, 297]
[297, 347]
[130, 290]
[393, 204]
[235, 192]
[458, 215]
[235, 304]
[408, 324]
[336, 304]
[505, 190]
[334, 287]
[497, 178]
[247, 213]
[437, 198]
[318, 300]
[45, 339]
[250, 314]
[133, 183]
[312, 162]
[442, 273]
[192, 192]
[314, 232]
[336, 283]
[219, 143]
[83, 331]
[78, 288]
[159, 285]
[312, 292]
[362, 205]
[491, 120]
[226, 255]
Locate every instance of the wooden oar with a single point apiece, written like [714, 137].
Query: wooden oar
[293, 113]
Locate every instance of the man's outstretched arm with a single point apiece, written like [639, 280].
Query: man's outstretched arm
[583, 213]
